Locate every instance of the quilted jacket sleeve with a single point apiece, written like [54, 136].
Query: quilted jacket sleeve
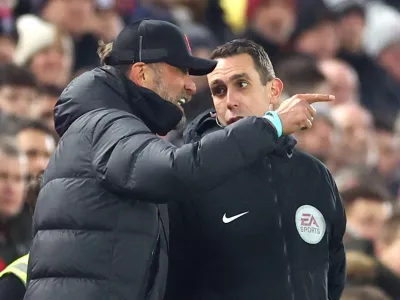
[128, 158]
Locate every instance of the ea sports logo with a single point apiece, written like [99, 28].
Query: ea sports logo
[310, 224]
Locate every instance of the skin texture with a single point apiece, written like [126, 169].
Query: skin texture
[237, 90]
[16, 100]
[388, 254]
[342, 80]
[366, 217]
[355, 125]
[170, 83]
[38, 147]
[12, 183]
[52, 66]
[43, 109]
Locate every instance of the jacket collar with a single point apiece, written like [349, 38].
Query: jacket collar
[106, 87]
[207, 122]
[158, 114]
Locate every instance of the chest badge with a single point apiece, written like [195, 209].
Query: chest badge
[310, 224]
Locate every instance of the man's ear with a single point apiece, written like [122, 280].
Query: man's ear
[275, 90]
[137, 74]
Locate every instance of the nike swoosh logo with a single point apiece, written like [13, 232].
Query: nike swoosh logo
[227, 220]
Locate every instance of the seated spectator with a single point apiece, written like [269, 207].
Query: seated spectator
[382, 37]
[388, 244]
[13, 279]
[316, 32]
[350, 22]
[7, 47]
[378, 90]
[270, 24]
[18, 90]
[363, 270]
[42, 109]
[300, 74]
[342, 79]
[355, 144]
[109, 24]
[364, 293]
[38, 143]
[44, 50]
[354, 176]
[77, 18]
[318, 140]
[388, 155]
[15, 219]
[367, 209]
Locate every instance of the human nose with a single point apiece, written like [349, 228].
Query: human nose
[231, 100]
[190, 86]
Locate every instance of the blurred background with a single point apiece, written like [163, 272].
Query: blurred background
[349, 48]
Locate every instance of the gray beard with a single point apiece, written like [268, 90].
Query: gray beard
[182, 124]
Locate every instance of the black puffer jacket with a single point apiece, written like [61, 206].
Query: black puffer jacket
[97, 228]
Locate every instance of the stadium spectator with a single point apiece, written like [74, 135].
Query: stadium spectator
[37, 142]
[270, 24]
[18, 89]
[13, 279]
[388, 244]
[342, 79]
[42, 108]
[367, 209]
[44, 50]
[355, 144]
[367, 270]
[364, 293]
[15, 233]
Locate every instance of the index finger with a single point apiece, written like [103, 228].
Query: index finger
[312, 98]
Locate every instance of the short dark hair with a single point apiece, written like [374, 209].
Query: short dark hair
[51, 90]
[299, 72]
[363, 191]
[260, 58]
[11, 74]
[36, 125]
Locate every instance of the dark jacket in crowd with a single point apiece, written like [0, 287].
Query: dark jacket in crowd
[272, 231]
[11, 288]
[15, 237]
[378, 90]
[98, 234]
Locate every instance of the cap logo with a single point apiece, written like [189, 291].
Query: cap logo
[188, 44]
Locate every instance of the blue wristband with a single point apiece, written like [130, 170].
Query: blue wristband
[273, 117]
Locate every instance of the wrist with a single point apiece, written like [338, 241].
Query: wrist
[274, 119]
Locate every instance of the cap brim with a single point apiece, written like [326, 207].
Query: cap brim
[197, 66]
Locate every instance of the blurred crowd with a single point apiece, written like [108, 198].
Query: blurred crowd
[349, 48]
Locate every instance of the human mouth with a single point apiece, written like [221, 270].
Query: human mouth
[233, 120]
[182, 101]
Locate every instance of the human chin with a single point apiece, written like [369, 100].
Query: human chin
[182, 123]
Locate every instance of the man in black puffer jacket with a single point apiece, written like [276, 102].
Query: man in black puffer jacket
[98, 234]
